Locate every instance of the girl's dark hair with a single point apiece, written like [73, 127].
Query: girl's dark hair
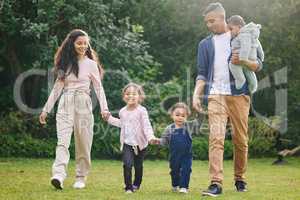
[180, 105]
[65, 59]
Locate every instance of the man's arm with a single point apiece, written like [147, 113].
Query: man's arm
[250, 64]
[202, 65]
[198, 94]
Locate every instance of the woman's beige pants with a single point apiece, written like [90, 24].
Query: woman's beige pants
[74, 113]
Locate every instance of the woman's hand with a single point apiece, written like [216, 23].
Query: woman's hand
[43, 117]
[105, 115]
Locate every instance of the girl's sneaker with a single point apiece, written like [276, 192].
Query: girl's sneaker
[183, 190]
[135, 188]
[128, 191]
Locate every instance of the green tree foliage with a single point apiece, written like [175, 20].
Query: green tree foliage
[31, 32]
[174, 28]
[132, 38]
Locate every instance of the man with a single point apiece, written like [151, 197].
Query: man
[215, 85]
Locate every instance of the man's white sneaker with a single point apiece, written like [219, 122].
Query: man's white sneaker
[183, 190]
[79, 185]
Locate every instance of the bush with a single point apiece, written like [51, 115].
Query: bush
[200, 148]
[22, 136]
[26, 146]
[261, 139]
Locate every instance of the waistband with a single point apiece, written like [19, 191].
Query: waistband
[76, 92]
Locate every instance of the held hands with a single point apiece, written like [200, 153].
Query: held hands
[154, 141]
[43, 117]
[105, 115]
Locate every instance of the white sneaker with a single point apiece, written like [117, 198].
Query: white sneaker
[175, 189]
[79, 185]
[57, 183]
[128, 191]
[183, 190]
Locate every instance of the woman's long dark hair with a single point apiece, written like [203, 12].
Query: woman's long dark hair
[65, 59]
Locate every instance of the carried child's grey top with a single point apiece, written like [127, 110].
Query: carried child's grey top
[247, 43]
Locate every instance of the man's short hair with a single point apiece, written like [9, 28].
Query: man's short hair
[214, 7]
[236, 20]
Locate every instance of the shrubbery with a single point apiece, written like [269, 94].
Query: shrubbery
[22, 136]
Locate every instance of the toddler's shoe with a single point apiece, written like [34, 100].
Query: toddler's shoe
[183, 190]
[135, 188]
[175, 189]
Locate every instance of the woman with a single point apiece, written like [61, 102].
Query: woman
[76, 66]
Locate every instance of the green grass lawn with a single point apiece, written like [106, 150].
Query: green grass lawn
[29, 179]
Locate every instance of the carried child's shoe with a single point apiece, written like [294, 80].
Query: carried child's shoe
[79, 185]
[183, 190]
[57, 183]
[175, 189]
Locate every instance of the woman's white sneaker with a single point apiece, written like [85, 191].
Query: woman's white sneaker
[79, 185]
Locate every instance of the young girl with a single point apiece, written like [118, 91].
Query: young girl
[178, 137]
[136, 132]
[76, 66]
